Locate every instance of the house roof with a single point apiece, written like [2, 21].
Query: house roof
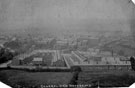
[37, 59]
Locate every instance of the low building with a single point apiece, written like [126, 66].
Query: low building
[15, 62]
[59, 63]
[37, 61]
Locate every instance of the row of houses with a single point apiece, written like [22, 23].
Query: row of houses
[100, 62]
[101, 59]
[35, 57]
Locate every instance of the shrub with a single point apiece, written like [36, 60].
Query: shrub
[76, 69]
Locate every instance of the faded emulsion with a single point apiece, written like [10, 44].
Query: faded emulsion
[133, 1]
[133, 19]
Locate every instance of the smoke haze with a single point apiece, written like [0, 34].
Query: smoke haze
[57, 15]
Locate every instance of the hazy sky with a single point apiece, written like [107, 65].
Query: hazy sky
[53, 15]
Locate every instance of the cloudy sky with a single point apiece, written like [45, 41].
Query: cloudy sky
[53, 15]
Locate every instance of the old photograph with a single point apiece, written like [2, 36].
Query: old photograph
[67, 43]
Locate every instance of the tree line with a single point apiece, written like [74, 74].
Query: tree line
[132, 61]
[6, 55]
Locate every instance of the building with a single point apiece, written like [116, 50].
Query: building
[92, 42]
[37, 61]
[61, 44]
[59, 63]
[103, 62]
[15, 62]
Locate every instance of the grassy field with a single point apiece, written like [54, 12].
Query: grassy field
[108, 78]
[105, 78]
[14, 77]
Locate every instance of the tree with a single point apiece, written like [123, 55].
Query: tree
[76, 69]
[5, 55]
[2, 51]
[132, 61]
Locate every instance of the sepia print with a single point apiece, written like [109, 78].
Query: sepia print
[67, 43]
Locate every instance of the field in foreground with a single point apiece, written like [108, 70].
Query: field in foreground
[107, 78]
[110, 78]
[15, 77]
